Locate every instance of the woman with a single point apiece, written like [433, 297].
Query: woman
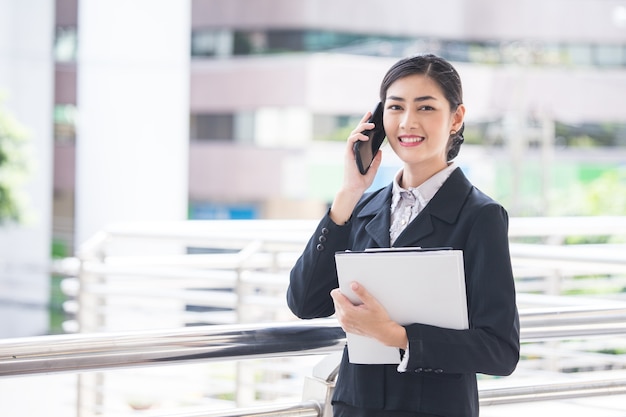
[430, 203]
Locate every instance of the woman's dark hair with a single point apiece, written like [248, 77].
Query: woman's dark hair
[440, 71]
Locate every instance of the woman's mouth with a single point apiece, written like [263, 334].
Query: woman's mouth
[410, 140]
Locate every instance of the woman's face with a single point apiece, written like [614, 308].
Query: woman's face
[418, 122]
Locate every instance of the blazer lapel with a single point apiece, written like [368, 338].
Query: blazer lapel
[445, 205]
[417, 230]
[378, 207]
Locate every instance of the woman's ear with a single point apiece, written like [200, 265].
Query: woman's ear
[458, 118]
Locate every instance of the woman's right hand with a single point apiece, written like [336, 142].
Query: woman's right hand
[354, 183]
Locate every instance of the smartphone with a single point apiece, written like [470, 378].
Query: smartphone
[365, 150]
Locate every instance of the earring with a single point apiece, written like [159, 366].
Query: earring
[452, 132]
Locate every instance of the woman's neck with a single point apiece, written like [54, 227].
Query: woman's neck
[415, 176]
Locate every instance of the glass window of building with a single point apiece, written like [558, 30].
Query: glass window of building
[579, 54]
[609, 55]
[211, 127]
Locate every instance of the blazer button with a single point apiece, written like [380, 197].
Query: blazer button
[438, 371]
[418, 370]
[322, 239]
[428, 370]
[325, 231]
[319, 247]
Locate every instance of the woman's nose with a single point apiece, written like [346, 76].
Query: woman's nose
[408, 121]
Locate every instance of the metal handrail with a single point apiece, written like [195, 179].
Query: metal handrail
[102, 351]
[300, 230]
[303, 409]
[293, 234]
[99, 351]
[570, 257]
[89, 352]
[567, 226]
[487, 397]
[552, 391]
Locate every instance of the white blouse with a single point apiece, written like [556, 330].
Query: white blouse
[406, 204]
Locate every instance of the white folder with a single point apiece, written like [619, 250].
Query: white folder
[415, 285]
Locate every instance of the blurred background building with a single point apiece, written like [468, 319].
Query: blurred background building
[271, 82]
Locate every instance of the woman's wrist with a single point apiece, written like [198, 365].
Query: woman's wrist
[343, 206]
[395, 336]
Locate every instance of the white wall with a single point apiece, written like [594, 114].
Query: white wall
[133, 95]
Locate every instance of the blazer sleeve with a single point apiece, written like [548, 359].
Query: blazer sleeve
[314, 275]
[491, 345]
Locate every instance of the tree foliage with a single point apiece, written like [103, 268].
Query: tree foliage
[13, 167]
[603, 196]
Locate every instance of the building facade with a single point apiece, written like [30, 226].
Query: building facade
[274, 85]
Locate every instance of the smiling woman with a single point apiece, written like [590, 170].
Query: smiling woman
[430, 203]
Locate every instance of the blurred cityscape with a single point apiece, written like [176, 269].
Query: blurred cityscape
[153, 112]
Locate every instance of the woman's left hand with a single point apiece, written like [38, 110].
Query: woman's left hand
[367, 319]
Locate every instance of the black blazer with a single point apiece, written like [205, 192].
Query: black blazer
[441, 373]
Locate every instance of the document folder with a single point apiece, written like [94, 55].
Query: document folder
[414, 285]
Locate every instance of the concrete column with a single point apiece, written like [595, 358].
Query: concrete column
[133, 106]
[26, 85]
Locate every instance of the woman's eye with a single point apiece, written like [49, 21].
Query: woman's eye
[427, 108]
[394, 107]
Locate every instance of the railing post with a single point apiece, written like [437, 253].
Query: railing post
[321, 385]
[90, 386]
[244, 379]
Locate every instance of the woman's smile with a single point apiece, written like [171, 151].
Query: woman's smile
[410, 140]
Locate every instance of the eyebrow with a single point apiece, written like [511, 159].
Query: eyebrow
[415, 100]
